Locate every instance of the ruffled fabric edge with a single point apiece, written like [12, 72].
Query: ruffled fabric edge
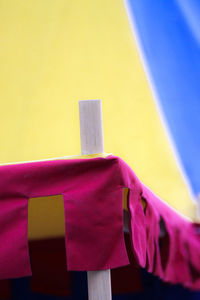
[163, 242]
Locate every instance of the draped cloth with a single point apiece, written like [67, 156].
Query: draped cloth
[163, 241]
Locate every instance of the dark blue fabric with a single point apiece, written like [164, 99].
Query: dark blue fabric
[153, 289]
[169, 32]
[21, 289]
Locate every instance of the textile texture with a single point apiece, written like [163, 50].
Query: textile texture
[162, 241]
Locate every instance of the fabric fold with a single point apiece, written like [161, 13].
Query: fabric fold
[93, 244]
[14, 251]
[163, 242]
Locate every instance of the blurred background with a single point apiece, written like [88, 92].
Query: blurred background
[142, 59]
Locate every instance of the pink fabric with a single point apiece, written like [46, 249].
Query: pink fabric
[162, 241]
[14, 257]
[92, 193]
[172, 263]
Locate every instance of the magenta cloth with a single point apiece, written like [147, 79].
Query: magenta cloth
[163, 242]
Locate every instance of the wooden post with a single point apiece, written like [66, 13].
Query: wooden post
[91, 131]
[99, 285]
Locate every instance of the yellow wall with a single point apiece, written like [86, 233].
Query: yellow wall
[54, 53]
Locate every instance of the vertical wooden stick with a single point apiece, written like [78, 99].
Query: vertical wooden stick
[99, 285]
[91, 126]
[91, 130]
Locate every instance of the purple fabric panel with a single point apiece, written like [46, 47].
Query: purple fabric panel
[163, 242]
[14, 252]
[94, 230]
[176, 269]
[45, 178]
[94, 217]
[91, 185]
[152, 235]
[137, 227]
[192, 242]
